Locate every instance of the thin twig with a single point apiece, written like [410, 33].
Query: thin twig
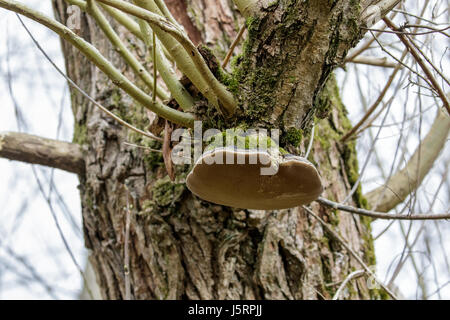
[92, 53]
[372, 61]
[164, 68]
[126, 251]
[416, 16]
[356, 52]
[141, 147]
[60, 232]
[376, 103]
[382, 215]
[233, 46]
[429, 61]
[433, 30]
[421, 63]
[154, 66]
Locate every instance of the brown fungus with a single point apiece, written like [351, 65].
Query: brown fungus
[255, 179]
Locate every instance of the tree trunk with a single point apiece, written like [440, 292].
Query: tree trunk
[181, 247]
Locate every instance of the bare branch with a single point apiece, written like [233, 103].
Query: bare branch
[373, 61]
[410, 177]
[382, 215]
[377, 102]
[37, 150]
[374, 10]
[421, 63]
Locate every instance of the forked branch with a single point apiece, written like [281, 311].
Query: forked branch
[435, 84]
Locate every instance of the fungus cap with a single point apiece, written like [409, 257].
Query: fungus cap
[239, 183]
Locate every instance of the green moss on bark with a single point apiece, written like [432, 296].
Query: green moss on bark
[166, 192]
[293, 137]
[80, 134]
[329, 104]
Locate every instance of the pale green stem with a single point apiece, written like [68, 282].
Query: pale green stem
[120, 17]
[124, 20]
[129, 23]
[216, 93]
[165, 11]
[115, 40]
[164, 68]
[80, 3]
[102, 63]
[246, 7]
[155, 75]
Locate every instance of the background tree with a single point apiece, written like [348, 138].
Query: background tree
[150, 238]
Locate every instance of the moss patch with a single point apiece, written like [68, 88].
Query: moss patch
[293, 137]
[166, 193]
[80, 134]
[332, 128]
[153, 160]
[232, 138]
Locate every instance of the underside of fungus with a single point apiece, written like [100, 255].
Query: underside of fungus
[254, 179]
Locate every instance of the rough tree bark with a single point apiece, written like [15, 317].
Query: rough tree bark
[185, 248]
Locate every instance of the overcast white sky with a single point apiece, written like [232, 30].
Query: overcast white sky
[27, 227]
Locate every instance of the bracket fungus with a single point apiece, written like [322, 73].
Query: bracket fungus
[254, 178]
